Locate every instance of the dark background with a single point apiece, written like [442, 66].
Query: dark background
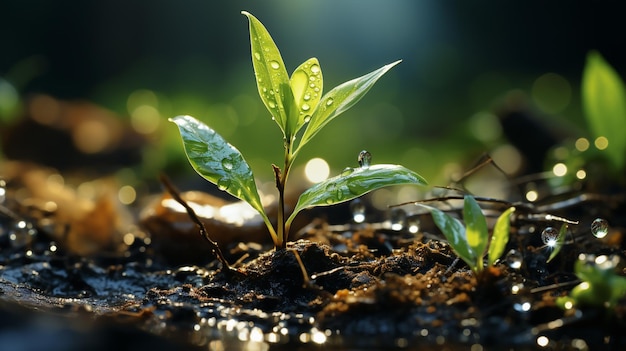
[459, 58]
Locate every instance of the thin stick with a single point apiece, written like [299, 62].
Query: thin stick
[192, 215]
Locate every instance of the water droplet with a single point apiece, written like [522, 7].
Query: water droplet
[223, 184]
[307, 97]
[312, 85]
[514, 259]
[306, 107]
[364, 158]
[22, 234]
[523, 305]
[257, 55]
[227, 164]
[347, 171]
[413, 224]
[397, 217]
[549, 236]
[315, 69]
[329, 101]
[274, 65]
[316, 89]
[357, 207]
[312, 79]
[599, 228]
[307, 118]
[271, 104]
[3, 191]
[265, 90]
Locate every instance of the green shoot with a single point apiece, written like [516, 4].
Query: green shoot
[470, 242]
[604, 103]
[297, 105]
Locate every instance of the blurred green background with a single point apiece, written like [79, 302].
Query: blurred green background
[434, 113]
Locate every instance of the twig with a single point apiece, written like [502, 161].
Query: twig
[192, 215]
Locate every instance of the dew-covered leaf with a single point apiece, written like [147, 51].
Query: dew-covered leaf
[339, 99]
[218, 162]
[500, 237]
[271, 74]
[604, 102]
[475, 228]
[306, 84]
[454, 231]
[560, 240]
[352, 183]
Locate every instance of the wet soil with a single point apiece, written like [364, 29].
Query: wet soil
[342, 285]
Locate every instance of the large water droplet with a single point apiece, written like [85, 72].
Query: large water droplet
[227, 164]
[307, 97]
[514, 259]
[357, 207]
[223, 184]
[599, 228]
[397, 217]
[347, 171]
[315, 69]
[329, 101]
[271, 104]
[257, 55]
[364, 158]
[549, 236]
[307, 118]
[274, 65]
[306, 107]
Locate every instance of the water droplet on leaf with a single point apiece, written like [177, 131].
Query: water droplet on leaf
[364, 158]
[549, 236]
[307, 97]
[315, 69]
[599, 228]
[329, 102]
[227, 164]
[274, 65]
[271, 104]
[307, 118]
[306, 107]
[223, 184]
[257, 55]
[357, 207]
[514, 259]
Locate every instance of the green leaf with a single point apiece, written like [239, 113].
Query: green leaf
[454, 232]
[339, 99]
[475, 228]
[560, 240]
[306, 84]
[271, 74]
[218, 162]
[604, 103]
[500, 237]
[352, 183]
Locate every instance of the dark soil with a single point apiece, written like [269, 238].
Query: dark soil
[346, 285]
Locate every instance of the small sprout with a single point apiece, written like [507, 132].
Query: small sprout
[470, 242]
[297, 105]
[554, 239]
[601, 286]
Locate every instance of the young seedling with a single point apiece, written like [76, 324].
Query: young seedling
[297, 105]
[470, 242]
